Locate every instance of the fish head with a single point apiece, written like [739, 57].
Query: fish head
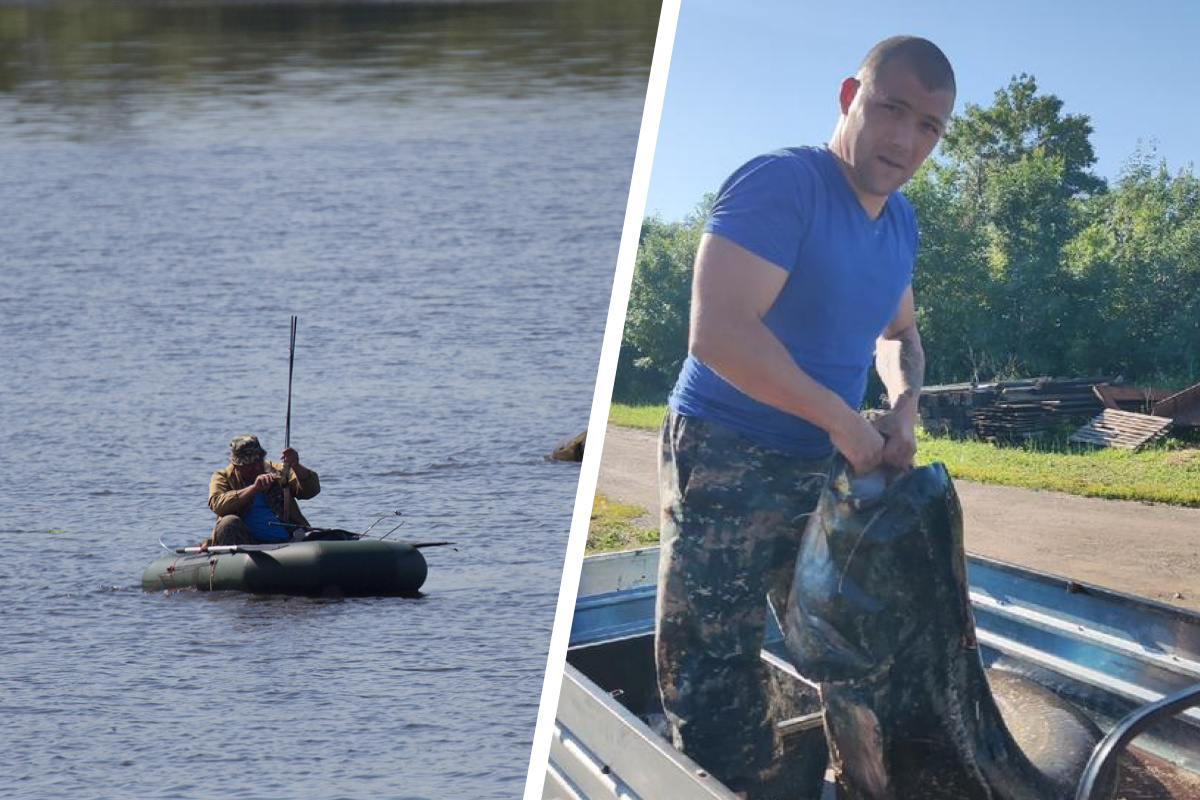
[862, 588]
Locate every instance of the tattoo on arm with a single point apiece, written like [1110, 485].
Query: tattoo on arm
[912, 363]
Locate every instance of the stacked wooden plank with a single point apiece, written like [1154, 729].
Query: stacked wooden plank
[1025, 410]
[947, 409]
[1013, 411]
[1008, 410]
[1125, 429]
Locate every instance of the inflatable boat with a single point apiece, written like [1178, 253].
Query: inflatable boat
[356, 568]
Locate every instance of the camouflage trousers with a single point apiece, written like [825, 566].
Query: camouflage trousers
[230, 529]
[733, 513]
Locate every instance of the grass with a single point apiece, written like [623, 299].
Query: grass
[1167, 473]
[1159, 474]
[613, 527]
[644, 417]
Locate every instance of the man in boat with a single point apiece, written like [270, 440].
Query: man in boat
[802, 278]
[248, 496]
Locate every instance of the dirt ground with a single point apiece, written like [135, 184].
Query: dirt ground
[1139, 548]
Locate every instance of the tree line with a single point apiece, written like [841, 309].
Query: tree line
[1030, 264]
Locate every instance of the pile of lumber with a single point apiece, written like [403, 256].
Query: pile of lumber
[1115, 427]
[1009, 410]
[1114, 414]
[1027, 411]
[947, 409]
[1125, 429]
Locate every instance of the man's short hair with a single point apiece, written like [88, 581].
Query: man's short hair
[922, 56]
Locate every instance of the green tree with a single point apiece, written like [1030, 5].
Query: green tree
[654, 344]
[1021, 123]
[950, 279]
[1019, 174]
[1139, 256]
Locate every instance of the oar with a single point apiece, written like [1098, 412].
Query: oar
[258, 548]
[229, 548]
[287, 430]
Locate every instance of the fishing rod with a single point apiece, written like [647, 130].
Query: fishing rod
[395, 513]
[287, 428]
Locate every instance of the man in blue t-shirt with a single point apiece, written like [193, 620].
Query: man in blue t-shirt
[802, 279]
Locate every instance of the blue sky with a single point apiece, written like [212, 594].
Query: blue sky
[756, 75]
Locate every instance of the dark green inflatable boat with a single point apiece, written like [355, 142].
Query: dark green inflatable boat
[362, 567]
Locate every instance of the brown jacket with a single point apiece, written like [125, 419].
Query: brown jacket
[225, 484]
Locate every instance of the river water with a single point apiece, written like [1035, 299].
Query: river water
[436, 190]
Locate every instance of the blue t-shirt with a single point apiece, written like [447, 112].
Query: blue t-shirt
[259, 519]
[846, 275]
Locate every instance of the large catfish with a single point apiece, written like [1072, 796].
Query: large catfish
[880, 618]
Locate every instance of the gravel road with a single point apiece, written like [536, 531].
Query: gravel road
[1139, 548]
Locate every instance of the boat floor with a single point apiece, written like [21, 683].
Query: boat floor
[624, 669]
[1148, 777]
[1143, 776]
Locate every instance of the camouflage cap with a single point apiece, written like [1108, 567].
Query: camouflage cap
[245, 449]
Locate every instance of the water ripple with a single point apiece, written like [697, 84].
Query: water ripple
[443, 215]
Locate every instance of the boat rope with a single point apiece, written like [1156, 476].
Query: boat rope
[169, 573]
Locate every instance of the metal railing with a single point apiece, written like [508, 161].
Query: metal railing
[1100, 767]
